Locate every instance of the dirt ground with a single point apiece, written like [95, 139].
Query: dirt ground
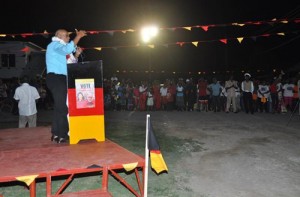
[211, 154]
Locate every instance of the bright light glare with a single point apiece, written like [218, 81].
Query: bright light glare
[148, 32]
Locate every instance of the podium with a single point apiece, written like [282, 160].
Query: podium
[86, 101]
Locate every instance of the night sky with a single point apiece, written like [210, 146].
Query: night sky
[255, 52]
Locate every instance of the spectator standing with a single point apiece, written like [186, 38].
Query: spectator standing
[26, 95]
[248, 88]
[215, 89]
[231, 87]
[288, 94]
[180, 96]
[202, 94]
[263, 94]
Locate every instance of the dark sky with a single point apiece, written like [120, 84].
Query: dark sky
[259, 53]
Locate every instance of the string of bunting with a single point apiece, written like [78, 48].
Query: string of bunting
[179, 43]
[195, 43]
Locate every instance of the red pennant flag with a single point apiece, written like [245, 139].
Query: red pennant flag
[24, 35]
[224, 41]
[26, 49]
[157, 161]
[92, 32]
[180, 43]
[205, 28]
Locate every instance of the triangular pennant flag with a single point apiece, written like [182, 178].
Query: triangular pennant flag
[224, 40]
[93, 32]
[238, 24]
[98, 48]
[240, 39]
[188, 28]
[157, 161]
[180, 43]
[280, 34]
[195, 43]
[205, 28]
[284, 21]
[45, 34]
[24, 35]
[27, 179]
[130, 166]
[130, 30]
[94, 166]
[26, 49]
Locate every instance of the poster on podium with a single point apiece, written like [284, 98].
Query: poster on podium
[85, 101]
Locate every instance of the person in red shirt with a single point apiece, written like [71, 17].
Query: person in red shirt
[202, 94]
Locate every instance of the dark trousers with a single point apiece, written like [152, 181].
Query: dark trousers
[248, 102]
[216, 103]
[275, 102]
[57, 84]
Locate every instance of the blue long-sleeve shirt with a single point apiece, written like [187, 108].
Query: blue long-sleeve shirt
[56, 60]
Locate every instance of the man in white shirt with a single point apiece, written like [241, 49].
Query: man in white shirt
[231, 87]
[26, 95]
[248, 88]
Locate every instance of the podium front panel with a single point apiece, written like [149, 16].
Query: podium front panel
[86, 101]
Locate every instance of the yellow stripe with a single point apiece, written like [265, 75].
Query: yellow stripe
[86, 127]
[158, 163]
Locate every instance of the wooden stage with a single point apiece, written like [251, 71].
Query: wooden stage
[29, 153]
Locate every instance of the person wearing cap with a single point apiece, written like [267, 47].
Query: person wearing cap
[247, 89]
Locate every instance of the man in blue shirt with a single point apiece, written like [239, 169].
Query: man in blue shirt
[215, 91]
[56, 80]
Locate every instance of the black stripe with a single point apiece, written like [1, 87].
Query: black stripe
[85, 70]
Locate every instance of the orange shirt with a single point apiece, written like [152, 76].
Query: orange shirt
[295, 91]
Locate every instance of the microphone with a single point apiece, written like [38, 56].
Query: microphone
[82, 56]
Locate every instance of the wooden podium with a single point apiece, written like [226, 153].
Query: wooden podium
[86, 101]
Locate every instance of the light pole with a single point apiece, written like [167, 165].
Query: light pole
[147, 33]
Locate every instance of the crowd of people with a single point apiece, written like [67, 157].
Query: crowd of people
[277, 95]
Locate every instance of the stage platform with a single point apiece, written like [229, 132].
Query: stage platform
[28, 154]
